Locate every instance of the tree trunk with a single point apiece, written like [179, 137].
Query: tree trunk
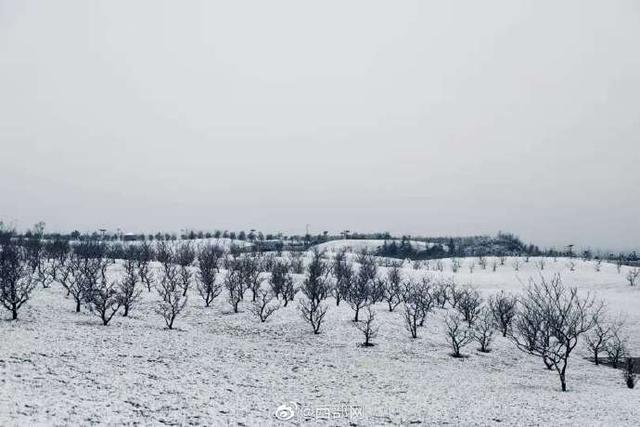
[14, 313]
[357, 312]
[596, 359]
[126, 311]
[77, 306]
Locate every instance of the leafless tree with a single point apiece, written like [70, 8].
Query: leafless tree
[343, 273]
[632, 276]
[104, 299]
[441, 293]
[598, 338]
[571, 265]
[516, 264]
[458, 332]
[127, 286]
[503, 308]
[315, 290]
[455, 265]
[598, 265]
[439, 266]
[296, 262]
[484, 329]
[145, 255]
[562, 316]
[81, 275]
[392, 287]
[418, 302]
[361, 291]
[455, 293]
[208, 286]
[368, 327]
[472, 266]
[16, 278]
[172, 297]
[289, 290]
[619, 264]
[57, 252]
[185, 256]
[233, 283]
[250, 271]
[469, 304]
[482, 262]
[616, 348]
[263, 307]
[503, 259]
[494, 265]
[165, 253]
[541, 263]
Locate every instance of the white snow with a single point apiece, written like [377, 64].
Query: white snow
[62, 368]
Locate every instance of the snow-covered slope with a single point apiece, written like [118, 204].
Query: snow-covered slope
[59, 367]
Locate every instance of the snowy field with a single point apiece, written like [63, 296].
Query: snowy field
[58, 367]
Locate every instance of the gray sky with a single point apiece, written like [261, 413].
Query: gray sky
[407, 116]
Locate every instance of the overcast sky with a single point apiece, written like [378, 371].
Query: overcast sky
[435, 118]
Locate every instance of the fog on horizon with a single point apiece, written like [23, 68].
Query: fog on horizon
[428, 118]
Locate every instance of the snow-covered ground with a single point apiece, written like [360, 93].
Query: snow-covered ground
[59, 367]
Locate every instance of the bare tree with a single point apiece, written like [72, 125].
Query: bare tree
[173, 300]
[598, 265]
[296, 262]
[482, 262]
[233, 283]
[599, 336]
[263, 307]
[494, 265]
[516, 264]
[563, 317]
[418, 302]
[392, 287]
[145, 255]
[103, 299]
[16, 278]
[469, 304]
[343, 272]
[455, 293]
[127, 286]
[541, 263]
[57, 252]
[368, 327]
[81, 275]
[185, 256]
[484, 329]
[455, 265]
[250, 270]
[632, 276]
[281, 282]
[315, 290]
[361, 291]
[616, 348]
[503, 259]
[503, 309]
[441, 293]
[208, 286]
[458, 332]
[571, 265]
[289, 290]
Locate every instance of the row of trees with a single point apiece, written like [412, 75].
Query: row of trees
[546, 321]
